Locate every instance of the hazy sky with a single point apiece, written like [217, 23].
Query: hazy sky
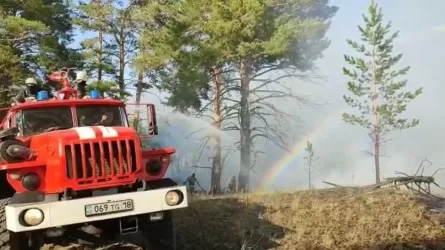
[422, 35]
[340, 146]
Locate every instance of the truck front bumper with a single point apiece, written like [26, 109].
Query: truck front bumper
[69, 212]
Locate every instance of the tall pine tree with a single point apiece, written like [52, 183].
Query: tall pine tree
[310, 158]
[376, 88]
[90, 17]
[246, 39]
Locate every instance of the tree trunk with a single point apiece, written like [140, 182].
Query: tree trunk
[217, 159]
[139, 88]
[376, 117]
[377, 159]
[245, 141]
[99, 56]
[353, 176]
[100, 48]
[310, 172]
[122, 66]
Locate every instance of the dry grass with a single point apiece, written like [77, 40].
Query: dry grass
[321, 219]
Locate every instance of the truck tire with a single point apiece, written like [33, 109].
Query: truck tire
[15, 241]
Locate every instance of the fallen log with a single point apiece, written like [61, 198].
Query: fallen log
[413, 183]
[417, 179]
[332, 184]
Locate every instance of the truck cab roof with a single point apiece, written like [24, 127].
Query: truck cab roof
[66, 102]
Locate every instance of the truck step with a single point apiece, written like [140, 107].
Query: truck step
[128, 225]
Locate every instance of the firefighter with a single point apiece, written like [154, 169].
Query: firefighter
[32, 87]
[231, 185]
[106, 119]
[29, 89]
[190, 181]
[81, 83]
[35, 123]
[96, 117]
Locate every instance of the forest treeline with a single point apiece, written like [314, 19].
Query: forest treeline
[224, 60]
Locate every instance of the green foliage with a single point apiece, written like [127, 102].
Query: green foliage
[111, 52]
[376, 68]
[90, 54]
[180, 72]
[310, 156]
[310, 162]
[34, 35]
[186, 39]
[191, 41]
[187, 83]
[309, 150]
[91, 16]
[15, 32]
[107, 89]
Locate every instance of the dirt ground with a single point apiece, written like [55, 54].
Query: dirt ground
[319, 219]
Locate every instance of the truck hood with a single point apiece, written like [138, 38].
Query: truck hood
[49, 155]
[86, 133]
[52, 141]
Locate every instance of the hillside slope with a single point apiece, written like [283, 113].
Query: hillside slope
[321, 219]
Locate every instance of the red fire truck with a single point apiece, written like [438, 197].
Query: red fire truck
[73, 162]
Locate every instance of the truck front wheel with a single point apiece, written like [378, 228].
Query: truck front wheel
[15, 241]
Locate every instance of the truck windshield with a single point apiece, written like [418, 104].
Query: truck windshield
[38, 120]
[100, 115]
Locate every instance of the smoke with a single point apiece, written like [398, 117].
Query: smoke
[421, 39]
[187, 134]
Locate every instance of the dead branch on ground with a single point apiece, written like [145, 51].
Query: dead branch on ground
[417, 182]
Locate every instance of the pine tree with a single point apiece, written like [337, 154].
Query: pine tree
[310, 161]
[90, 17]
[34, 39]
[105, 88]
[108, 53]
[247, 38]
[376, 88]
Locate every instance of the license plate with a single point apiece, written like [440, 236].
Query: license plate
[108, 207]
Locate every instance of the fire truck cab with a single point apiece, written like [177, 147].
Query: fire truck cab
[73, 161]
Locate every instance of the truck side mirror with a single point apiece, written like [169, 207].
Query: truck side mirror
[151, 119]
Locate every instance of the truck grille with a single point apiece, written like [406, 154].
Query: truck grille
[104, 160]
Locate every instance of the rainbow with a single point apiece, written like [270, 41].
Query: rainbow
[298, 149]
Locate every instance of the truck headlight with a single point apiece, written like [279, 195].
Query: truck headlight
[174, 197]
[153, 167]
[32, 217]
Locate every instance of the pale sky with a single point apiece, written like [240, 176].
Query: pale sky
[422, 35]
